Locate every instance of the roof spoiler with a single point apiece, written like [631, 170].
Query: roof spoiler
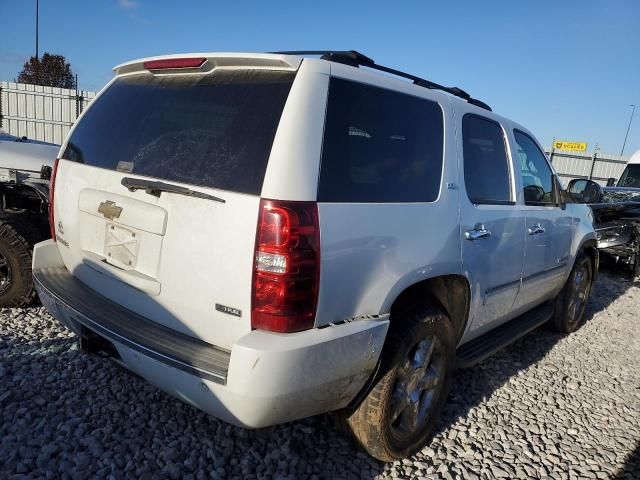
[213, 61]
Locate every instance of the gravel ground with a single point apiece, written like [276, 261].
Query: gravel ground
[547, 406]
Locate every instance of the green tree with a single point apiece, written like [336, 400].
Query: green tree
[49, 71]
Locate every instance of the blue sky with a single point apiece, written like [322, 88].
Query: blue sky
[565, 69]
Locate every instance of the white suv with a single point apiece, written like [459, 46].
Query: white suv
[271, 236]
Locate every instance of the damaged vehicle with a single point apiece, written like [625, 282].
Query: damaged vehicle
[273, 236]
[25, 172]
[616, 212]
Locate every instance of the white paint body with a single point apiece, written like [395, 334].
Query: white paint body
[192, 254]
[26, 156]
[635, 158]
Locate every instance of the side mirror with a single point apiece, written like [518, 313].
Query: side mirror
[611, 182]
[559, 194]
[585, 191]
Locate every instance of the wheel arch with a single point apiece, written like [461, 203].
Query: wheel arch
[451, 292]
[590, 248]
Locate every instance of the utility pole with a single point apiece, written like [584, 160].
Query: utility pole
[633, 109]
[594, 158]
[77, 99]
[37, 12]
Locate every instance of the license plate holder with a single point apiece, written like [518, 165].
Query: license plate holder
[121, 246]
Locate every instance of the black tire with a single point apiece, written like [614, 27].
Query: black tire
[373, 424]
[37, 225]
[568, 315]
[17, 238]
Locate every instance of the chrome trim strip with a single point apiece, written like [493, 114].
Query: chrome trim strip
[497, 289]
[544, 272]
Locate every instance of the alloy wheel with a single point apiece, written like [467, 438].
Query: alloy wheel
[579, 294]
[417, 387]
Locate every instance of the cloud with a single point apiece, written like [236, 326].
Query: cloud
[128, 4]
[132, 7]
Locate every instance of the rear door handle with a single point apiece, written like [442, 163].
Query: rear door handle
[536, 229]
[479, 232]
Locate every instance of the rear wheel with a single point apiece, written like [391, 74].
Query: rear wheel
[399, 414]
[572, 300]
[16, 246]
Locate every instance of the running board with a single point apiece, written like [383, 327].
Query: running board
[489, 343]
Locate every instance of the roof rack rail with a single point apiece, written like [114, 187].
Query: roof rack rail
[357, 59]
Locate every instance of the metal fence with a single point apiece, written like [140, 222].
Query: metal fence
[595, 165]
[40, 113]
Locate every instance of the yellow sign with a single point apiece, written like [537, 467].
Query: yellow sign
[575, 146]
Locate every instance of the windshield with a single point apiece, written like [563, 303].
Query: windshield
[616, 196]
[630, 177]
[211, 130]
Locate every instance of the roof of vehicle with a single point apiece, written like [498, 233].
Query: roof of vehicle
[26, 156]
[357, 59]
[635, 158]
[6, 136]
[289, 60]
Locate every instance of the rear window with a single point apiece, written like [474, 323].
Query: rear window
[380, 146]
[209, 130]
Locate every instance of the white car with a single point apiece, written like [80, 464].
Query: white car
[272, 236]
[25, 169]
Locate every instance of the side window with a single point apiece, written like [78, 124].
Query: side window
[380, 146]
[486, 166]
[537, 177]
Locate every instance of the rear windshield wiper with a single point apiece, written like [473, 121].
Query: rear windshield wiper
[156, 188]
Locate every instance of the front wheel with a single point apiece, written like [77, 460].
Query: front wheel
[572, 299]
[399, 414]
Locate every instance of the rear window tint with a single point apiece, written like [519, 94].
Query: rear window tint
[208, 130]
[380, 146]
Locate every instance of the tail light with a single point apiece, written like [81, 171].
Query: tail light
[286, 273]
[52, 186]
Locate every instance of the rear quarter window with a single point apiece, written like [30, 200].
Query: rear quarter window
[380, 146]
[211, 130]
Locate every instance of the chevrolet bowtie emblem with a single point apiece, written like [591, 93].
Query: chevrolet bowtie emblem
[109, 209]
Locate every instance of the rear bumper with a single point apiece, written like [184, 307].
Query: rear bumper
[266, 378]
